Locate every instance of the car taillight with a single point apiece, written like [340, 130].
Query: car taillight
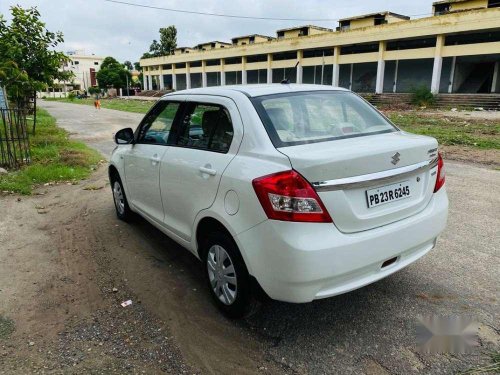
[287, 196]
[440, 174]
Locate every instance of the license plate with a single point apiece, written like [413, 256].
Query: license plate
[388, 193]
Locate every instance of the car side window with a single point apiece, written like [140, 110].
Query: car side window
[158, 124]
[206, 127]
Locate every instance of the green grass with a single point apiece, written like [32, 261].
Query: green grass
[493, 368]
[6, 327]
[136, 106]
[54, 158]
[449, 131]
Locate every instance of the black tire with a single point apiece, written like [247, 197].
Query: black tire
[242, 304]
[123, 211]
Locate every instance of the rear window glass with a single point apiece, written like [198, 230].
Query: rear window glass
[308, 117]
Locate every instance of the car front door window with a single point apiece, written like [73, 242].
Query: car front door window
[158, 124]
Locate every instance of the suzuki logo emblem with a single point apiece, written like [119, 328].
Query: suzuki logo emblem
[395, 158]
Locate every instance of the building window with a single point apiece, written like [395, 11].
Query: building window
[379, 20]
[77, 62]
[281, 74]
[359, 48]
[493, 3]
[256, 58]
[232, 60]
[473, 38]
[257, 76]
[411, 44]
[319, 52]
[289, 55]
[319, 74]
[441, 9]
[96, 62]
[180, 65]
[195, 64]
[233, 78]
[214, 62]
[213, 79]
[167, 67]
[344, 25]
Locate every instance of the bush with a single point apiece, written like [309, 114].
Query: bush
[422, 97]
[71, 96]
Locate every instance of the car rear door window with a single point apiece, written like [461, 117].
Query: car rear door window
[206, 127]
[158, 123]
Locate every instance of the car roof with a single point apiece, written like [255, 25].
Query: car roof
[254, 90]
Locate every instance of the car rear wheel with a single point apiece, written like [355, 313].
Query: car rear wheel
[227, 276]
[121, 205]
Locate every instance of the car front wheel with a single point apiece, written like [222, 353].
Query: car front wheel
[122, 208]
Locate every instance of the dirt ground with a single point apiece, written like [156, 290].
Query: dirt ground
[66, 268]
[66, 264]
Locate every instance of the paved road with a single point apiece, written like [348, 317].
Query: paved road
[95, 127]
[371, 330]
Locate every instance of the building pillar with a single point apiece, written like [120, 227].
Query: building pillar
[269, 69]
[244, 70]
[203, 73]
[145, 82]
[162, 84]
[222, 73]
[188, 75]
[174, 78]
[452, 75]
[336, 66]
[438, 65]
[150, 82]
[395, 84]
[300, 70]
[379, 83]
[496, 74]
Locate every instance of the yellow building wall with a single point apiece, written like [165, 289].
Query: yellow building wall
[471, 21]
[472, 4]
[313, 31]
[363, 22]
[291, 33]
[243, 41]
[391, 19]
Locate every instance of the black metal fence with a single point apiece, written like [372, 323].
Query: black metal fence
[14, 139]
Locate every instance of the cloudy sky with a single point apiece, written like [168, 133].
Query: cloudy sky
[125, 32]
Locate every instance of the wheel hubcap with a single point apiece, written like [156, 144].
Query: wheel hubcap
[222, 274]
[118, 196]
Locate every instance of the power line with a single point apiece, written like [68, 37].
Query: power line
[234, 15]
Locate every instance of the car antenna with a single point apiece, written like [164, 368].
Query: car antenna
[286, 81]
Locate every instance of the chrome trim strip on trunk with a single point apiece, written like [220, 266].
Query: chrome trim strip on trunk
[372, 178]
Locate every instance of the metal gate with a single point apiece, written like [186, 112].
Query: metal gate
[14, 139]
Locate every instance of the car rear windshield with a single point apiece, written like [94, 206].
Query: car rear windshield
[318, 116]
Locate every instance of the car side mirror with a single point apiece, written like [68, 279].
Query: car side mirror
[124, 136]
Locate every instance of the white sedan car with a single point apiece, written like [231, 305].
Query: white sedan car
[299, 191]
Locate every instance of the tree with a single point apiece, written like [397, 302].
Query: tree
[137, 66]
[127, 64]
[166, 45]
[112, 74]
[26, 44]
[168, 40]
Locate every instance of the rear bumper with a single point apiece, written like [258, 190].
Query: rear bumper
[300, 262]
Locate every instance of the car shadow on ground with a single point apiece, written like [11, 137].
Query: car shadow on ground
[365, 322]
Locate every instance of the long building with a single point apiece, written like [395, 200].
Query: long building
[456, 50]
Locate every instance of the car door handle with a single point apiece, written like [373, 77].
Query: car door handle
[210, 171]
[155, 159]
